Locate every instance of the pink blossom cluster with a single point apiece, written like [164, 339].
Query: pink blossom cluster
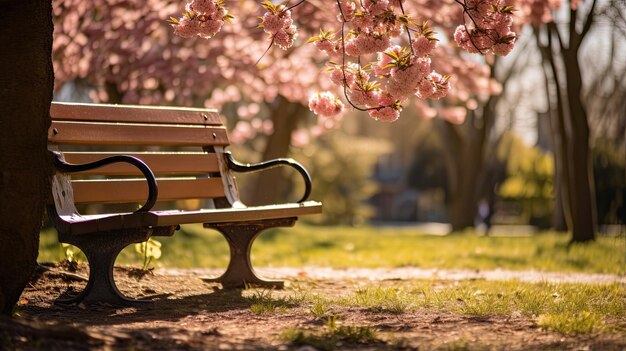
[277, 22]
[489, 27]
[326, 105]
[203, 18]
[396, 73]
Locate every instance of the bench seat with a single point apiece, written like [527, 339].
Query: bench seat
[86, 224]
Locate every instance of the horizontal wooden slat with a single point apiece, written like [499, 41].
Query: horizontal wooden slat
[166, 218]
[121, 191]
[133, 113]
[92, 223]
[75, 225]
[172, 163]
[79, 133]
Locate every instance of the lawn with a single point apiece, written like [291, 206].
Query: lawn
[352, 313]
[368, 247]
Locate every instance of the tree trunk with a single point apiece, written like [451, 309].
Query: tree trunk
[581, 182]
[271, 185]
[465, 161]
[26, 82]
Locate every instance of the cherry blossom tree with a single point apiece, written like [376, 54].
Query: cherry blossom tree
[129, 54]
[398, 72]
[366, 29]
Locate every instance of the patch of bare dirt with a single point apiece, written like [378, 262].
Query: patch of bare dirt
[191, 314]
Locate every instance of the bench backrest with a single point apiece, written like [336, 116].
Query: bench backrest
[182, 146]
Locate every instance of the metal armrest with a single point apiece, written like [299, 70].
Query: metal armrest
[240, 167]
[153, 188]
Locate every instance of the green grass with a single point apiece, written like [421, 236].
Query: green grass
[392, 300]
[263, 301]
[564, 308]
[333, 334]
[340, 247]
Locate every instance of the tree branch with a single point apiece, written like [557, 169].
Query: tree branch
[589, 20]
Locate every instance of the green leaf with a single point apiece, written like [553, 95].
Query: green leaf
[392, 55]
[228, 18]
[174, 20]
[507, 9]
[312, 40]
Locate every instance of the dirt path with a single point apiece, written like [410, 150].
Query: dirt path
[190, 314]
[407, 273]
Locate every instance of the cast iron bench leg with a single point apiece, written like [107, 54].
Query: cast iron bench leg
[101, 250]
[240, 236]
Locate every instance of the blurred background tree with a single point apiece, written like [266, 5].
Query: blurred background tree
[421, 169]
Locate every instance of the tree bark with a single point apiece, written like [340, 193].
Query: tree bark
[584, 223]
[559, 132]
[465, 161]
[271, 185]
[26, 83]
[572, 133]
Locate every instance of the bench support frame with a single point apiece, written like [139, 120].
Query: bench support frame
[101, 250]
[240, 237]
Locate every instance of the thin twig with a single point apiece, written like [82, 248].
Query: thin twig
[290, 7]
[408, 32]
[268, 49]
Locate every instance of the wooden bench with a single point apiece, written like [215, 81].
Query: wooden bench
[155, 156]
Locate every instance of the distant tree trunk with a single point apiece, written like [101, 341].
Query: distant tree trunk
[271, 185]
[572, 133]
[466, 155]
[26, 83]
[584, 223]
[465, 159]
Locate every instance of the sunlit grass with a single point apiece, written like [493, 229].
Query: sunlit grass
[393, 300]
[332, 335]
[306, 245]
[563, 308]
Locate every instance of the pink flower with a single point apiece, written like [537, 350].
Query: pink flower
[399, 90]
[369, 44]
[272, 23]
[209, 28]
[204, 18]
[412, 74]
[442, 85]
[423, 46]
[352, 49]
[324, 45]
[325, 104]
[384, 60]
[461, 37]
[186, 28]
[385, 99]
[202, 7]
[347, 8]
[376, 7]
[336, 76]
[404, 81]
[425, 89]
[285, 38]
[386, 114]
[365, 98]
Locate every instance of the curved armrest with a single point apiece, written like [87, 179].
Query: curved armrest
[153, 188]
[240, 167]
